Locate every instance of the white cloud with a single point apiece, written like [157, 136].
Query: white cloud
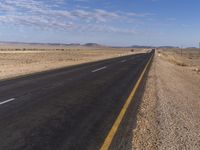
[38, 14]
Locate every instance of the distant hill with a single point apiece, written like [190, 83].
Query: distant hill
[87, 45]
[191, 48]
[73, 44]
[167, 47]
[92, 45]
[53, 44]
[141, 46]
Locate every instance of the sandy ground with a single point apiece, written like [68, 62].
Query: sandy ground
[15, 62]
[169, 115]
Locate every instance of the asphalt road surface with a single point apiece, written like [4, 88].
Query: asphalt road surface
[71, 108]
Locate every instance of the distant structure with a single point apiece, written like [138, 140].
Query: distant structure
[199, 48]
[181, 50]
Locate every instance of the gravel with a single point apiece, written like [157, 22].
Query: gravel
[169, 115]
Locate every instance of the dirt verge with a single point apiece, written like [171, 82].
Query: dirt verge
[169, 115]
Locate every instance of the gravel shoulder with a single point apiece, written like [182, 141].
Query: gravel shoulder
[169, 115]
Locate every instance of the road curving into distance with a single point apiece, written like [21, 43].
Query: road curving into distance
[72, 108]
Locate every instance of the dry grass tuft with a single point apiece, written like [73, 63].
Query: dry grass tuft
[171, 59]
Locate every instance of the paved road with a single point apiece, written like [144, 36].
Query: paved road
[71, 108]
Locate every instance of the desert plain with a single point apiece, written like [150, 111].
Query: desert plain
[17, 60]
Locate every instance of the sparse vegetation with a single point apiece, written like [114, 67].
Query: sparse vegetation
[188, 57]
[23, 60]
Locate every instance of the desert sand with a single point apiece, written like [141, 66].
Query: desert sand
[21, 61]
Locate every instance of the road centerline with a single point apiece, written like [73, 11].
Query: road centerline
[99, 69]
[7, 101]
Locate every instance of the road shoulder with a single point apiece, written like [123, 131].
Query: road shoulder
[169, 115]
[144, 135]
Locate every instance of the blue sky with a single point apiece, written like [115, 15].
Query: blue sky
[110, 22]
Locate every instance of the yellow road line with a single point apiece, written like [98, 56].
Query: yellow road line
[112, 132]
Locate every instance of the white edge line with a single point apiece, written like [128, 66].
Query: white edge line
[123, 61]
[99, 69]
[9, 100]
